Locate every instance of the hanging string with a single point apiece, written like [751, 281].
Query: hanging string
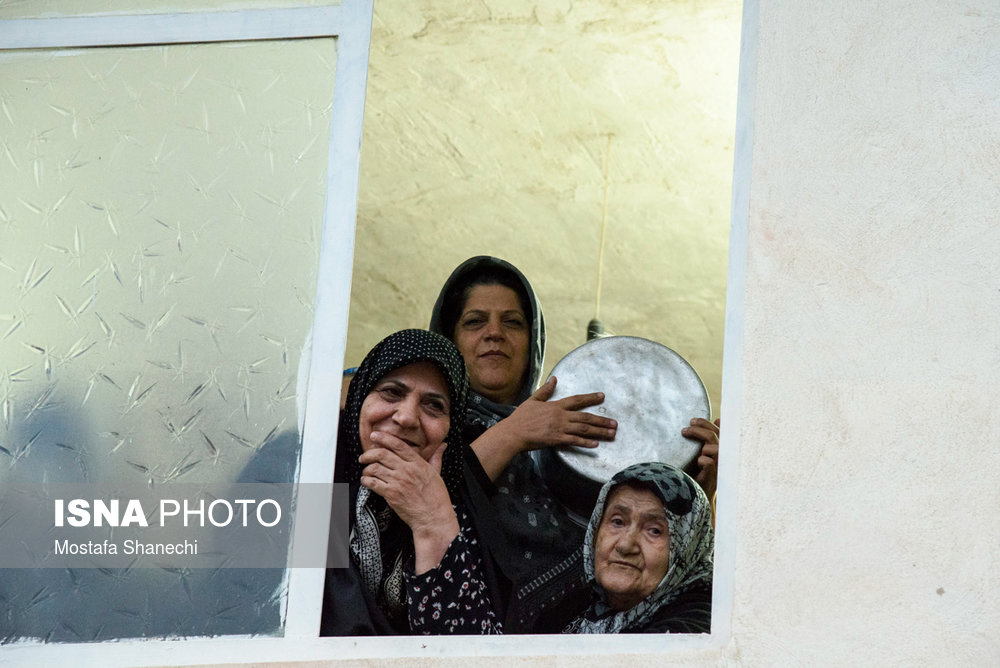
[596, 328]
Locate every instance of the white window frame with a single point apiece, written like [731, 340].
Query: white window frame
[350, 23]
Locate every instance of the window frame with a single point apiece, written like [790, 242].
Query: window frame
[350, 23]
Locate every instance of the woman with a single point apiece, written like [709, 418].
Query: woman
[412, 543]
[487, 307]
[648, 555]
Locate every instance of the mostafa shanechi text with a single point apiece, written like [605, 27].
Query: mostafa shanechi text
[127, 547]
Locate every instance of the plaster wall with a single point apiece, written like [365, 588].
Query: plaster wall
[486, 132]
[866, 528]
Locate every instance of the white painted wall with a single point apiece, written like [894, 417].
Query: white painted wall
[866, 529]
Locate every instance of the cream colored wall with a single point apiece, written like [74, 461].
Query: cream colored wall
[485, 133]
[867, 528]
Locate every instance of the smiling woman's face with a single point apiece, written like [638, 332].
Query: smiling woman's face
[632, 546]
[410, 403]
[492, 335]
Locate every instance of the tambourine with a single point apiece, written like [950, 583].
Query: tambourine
[649, 389]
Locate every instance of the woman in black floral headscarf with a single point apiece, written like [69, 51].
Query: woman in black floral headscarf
[412, 543]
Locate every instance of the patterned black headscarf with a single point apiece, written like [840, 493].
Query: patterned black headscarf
[395, 351]
[691, 545]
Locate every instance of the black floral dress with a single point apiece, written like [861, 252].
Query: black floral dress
[453, 598]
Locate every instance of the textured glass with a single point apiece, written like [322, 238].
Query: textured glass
[160, 214]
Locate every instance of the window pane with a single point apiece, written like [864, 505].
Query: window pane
[160, 215]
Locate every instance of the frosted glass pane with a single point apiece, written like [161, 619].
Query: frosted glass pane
[160, 214]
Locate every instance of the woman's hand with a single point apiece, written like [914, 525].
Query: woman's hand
[415, 491]
[542, 423]
[539, 423]
[708, 459]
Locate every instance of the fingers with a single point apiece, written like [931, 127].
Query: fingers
[436, 457]
[393, 444]
[377, 471]
[578, 401]
[592, 426]
[378, 478]
[704, 461]
[393, 454]
[596, 421]
[702, 423]
[385, 472]
[582, 432]
[702, 430]
[390, 487]
[374, 484]
[708, 459]
[588, 424]
[544, 393]
[414, 490]
[569, 440]
[388, 459]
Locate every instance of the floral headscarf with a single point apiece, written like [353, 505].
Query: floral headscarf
[691, 544]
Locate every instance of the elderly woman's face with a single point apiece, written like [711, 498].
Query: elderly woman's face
[411, 403]
[492, 334]
[632, 547]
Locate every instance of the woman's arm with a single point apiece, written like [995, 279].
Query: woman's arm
[452, 597]
[446, 592]
[539, 423]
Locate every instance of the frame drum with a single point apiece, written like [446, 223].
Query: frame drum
[649, 389]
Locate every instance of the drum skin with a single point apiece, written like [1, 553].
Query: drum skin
[649, 389]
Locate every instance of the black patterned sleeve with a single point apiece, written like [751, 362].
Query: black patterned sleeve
[452, 598]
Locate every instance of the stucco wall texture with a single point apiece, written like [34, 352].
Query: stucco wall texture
[867, 528]
[486, 130]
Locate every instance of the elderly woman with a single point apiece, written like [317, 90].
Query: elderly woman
[488, 308]
[648, 555]
[416, 566]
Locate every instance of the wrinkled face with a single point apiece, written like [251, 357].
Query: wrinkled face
[412, 404]
[632, 547]
[492, 334]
